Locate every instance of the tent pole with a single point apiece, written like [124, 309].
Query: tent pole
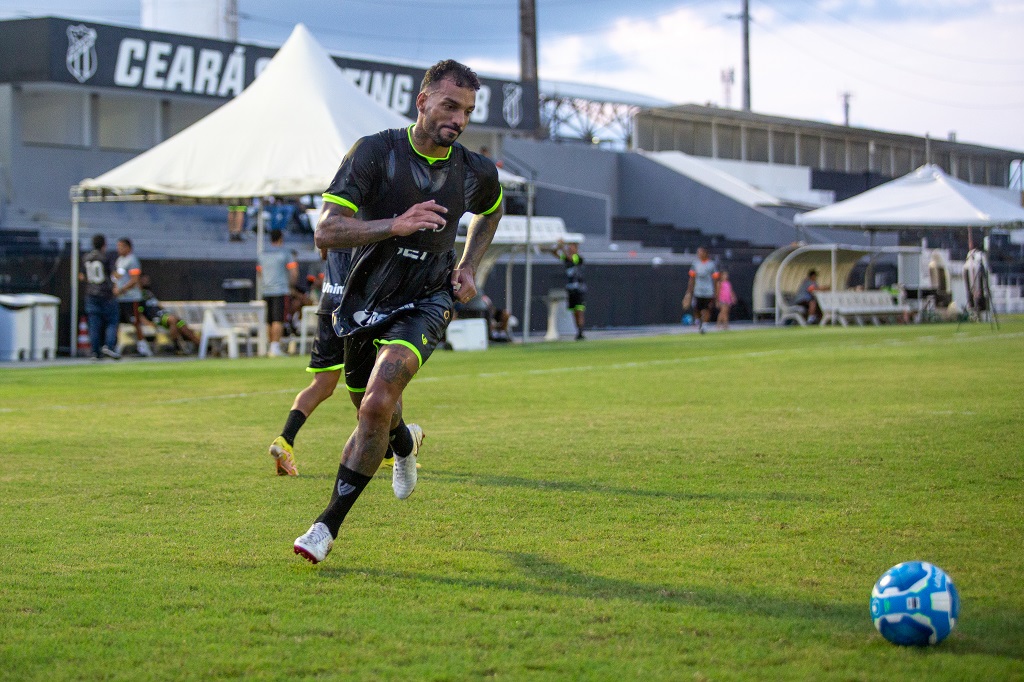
[529, 263]
[835, 284]
[260, 229]
[508, 282]
[73, 303]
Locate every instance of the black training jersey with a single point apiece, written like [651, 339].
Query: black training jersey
[335, 274]
[98, 267]
[574, 272]
[381, 177]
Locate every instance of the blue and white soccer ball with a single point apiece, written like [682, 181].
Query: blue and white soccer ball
[915, 604]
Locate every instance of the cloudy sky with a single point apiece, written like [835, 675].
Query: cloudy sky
[910, 66]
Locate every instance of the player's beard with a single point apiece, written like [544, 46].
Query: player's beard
[439, 135]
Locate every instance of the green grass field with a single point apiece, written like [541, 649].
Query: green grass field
[669, 508]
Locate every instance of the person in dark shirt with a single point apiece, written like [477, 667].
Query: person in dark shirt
[101, 308]
[575, 286]
[409, 188]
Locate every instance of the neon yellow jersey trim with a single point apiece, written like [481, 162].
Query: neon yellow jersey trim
[355, 390]
[492, 209]
[332, 368]
[402, 342]
[430, 159]
[334, 199]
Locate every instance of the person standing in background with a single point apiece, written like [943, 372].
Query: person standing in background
[278, 273]
[128, 270]
[703, 288]
[575, 285]
[100, 303]
[726, 299]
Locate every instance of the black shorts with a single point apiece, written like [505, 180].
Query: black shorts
[275, 308]
[576, 300]
[420, 329]
[129, 310]
[328, 348]
[154, 314]
[704, 304]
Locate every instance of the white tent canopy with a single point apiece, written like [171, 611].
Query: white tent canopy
[926, 198]
[284, 135]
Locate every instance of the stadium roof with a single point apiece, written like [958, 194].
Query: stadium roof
[708, 112]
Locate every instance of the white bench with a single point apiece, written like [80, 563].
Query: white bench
[232, 323]
[842, 306]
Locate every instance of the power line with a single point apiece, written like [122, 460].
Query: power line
[902, 43]
[899, 91]
[896, 64]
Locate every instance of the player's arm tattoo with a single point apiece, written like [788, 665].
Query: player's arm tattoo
[478, 238]
[337, 228]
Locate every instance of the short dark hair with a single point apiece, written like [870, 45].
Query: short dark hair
[98, 241]
[276, 236]
[460, 74]
[812, 273]
[127, 242]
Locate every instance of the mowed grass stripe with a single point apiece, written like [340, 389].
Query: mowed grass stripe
[668, 508]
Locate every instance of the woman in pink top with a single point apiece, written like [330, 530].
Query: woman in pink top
[726, 299]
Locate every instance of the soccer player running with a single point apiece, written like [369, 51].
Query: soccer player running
[410, 186]
[325, 364]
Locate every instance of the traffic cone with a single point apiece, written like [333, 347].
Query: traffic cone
[83, 336]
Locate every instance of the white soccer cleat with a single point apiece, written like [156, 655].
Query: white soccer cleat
[403, 476]
[315, 544]
[142, 346]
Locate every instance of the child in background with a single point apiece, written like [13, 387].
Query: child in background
[726, 299]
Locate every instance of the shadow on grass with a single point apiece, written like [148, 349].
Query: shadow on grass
[597, 488]
[540, 576]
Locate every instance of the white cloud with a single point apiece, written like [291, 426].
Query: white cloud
[963, 74]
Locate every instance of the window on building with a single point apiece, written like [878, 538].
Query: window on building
[858, 156]
[784, 147]
[757, 145]
[728, 141]
[682, 136]
[127, 122]
[881, 158]
[54, 117]
[702, 145]
[904, 161]
[835, 154]
[810, 151]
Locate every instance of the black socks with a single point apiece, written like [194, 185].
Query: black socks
[346, 490]
[291, 427]
[400, 439]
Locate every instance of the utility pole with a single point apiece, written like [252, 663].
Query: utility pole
[845, 96]
[528, 60]
[746, 54]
